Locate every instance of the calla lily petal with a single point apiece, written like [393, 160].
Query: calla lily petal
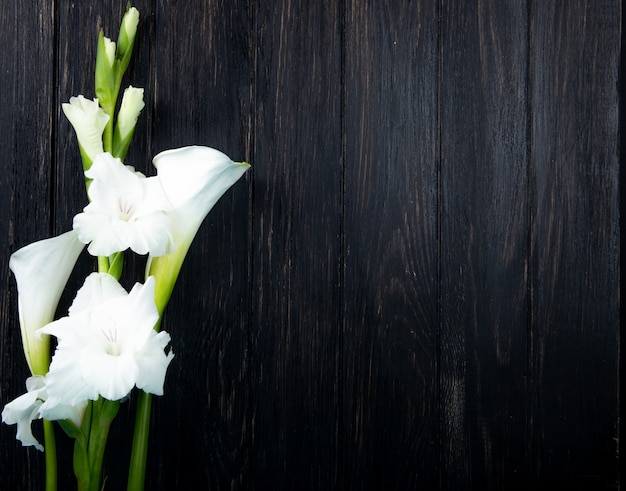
[196, 177]
[41, 271]
[193, 180]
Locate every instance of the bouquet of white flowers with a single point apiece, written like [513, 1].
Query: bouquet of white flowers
[109, 343]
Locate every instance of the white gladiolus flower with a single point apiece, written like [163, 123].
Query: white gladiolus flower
[24, 410]
[41, 271]
[127, 210]
[35, 404]
[129, 24]
[109, 49]
[132, 104]
[107, 344]
[88, 120]
[193, 180]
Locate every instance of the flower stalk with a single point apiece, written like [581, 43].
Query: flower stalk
[110, 342]
[139, 451]
[112, 60]
[103, 414]
[50, 454]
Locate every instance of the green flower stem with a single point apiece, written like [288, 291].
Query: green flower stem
[107, 136]
[104, 411]
[81, 457]
[103, 264]
[112, 264]
[51, 455]
[139, 453]
[165, 270]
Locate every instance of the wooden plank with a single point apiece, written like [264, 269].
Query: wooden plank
[389, 346]
[295, 324]
[421, 274]
[575, 244]
[484, 238]
[25, 129]
[201, 93]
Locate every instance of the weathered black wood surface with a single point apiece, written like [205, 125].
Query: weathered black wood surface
[416, 286]
[484, 243]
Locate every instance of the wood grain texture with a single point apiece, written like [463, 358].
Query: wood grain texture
[389, 347]
[575, 244]
[416, 286]
[296, 323]
[200, 428]
[484, 238]
[26, 109]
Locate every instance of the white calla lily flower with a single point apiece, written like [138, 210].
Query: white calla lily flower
[107, 344]
[89, 121]
[41, 271]
[193, 180]
[127, 210]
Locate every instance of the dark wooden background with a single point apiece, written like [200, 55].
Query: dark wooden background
[417, 286]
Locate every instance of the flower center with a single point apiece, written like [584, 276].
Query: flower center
[126, 209]
[110, 330]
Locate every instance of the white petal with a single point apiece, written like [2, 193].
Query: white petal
[95, 229]
[113, 377]
[142, 312]
[65, 383]
[152, 234]
[107, 343]
[153, 198]
[110, 47]
[153, 363]
[97, 288]
[193, 179]
[191, 172]
[130, 22]
[41, 271]
[54, 410]
[132, 104]
[113, 180]
[88, 120]
[24, 409]
[127, 210]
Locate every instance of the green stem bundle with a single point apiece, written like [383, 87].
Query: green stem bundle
[50, 455]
